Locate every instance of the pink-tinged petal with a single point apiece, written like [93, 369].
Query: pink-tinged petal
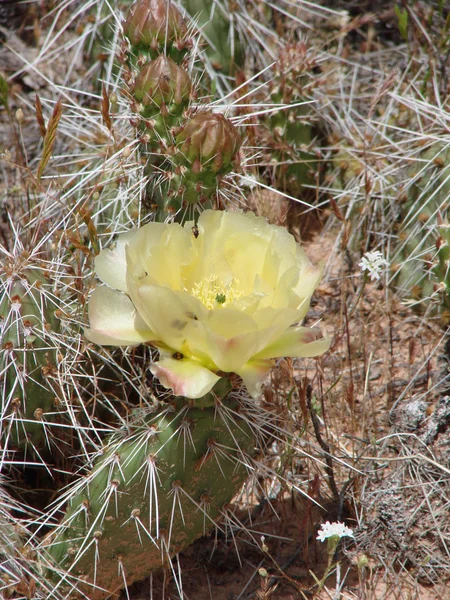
[300, 342]
[253, 375]
[114, 320]
[231, 353]
[111, 263]
[184, 377]
[231, 338]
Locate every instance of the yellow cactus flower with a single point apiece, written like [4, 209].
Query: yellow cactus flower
[225, 296]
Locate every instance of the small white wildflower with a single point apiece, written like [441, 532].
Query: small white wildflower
[329, 530]
[373, 262]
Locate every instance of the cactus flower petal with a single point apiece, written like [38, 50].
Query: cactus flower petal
[225, 296]
[114, 320]
[253, 375]
[111, 264]
[184, 377]
[300, 342]
[170, 314]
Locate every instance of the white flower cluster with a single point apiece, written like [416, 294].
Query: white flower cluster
[373, 263]
[329, 530]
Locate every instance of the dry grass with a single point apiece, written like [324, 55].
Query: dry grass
[366, 426]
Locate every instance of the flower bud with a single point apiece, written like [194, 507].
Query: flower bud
[211, 139]
[160, 82]
[153, 23]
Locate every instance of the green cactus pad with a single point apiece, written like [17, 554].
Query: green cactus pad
[422, 269]
[225, 48]
[157, 486]
[27, 360]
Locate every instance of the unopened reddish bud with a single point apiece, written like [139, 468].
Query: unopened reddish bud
[162, 81]
[153, 23]
[211, 139]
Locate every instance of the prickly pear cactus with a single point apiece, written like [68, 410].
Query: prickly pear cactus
[157, 486]
[162, 480]
[420, 273]
[28, 359]
[224, 46]
[289, 129]
[441, 270]
[188, 151]
[207, 150]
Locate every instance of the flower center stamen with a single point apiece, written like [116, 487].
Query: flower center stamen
[212, 293]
